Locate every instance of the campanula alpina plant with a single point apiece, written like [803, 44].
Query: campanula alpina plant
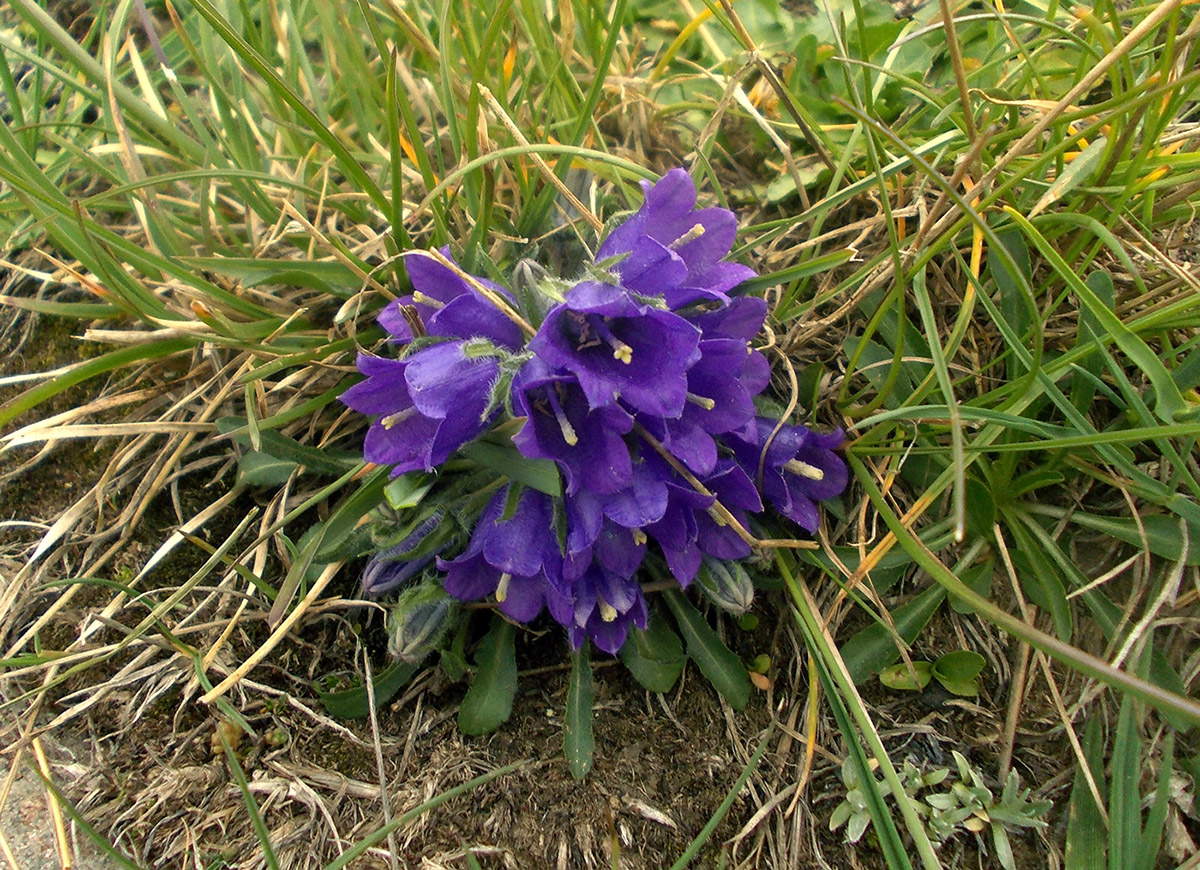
[602, 434]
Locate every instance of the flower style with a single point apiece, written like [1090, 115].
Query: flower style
[674, 250]
[799, 468]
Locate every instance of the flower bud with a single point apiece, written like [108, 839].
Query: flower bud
[399, 564]
[419, 621]
[727, 585]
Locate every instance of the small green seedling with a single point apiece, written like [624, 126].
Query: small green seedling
[958, 672]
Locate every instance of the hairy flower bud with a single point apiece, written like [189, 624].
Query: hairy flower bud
[419, 621]
[727, 585]
[399, 564]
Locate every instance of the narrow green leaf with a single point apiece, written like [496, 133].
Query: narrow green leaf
[1157, 818]
[488, 703]
[722, 668]
[578, 742]
[654, 656]
[354, 704]
[348, 512]
[539, 474]
[256, 820]
[261, 469]
[1086, 836]
[1076, 173]
[710, 826]
[1167, 701]
[117, 858]
[1125, 799]
[331, 277]
[1169, 406]
[384, 831]
[874, 647]
[108, 362]
[1162, 533]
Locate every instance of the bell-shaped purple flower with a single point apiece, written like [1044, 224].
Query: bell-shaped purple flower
[675, 250]
[560, 425]
[512, 556]
[597, 604]
[618, 348]
[444, 304]
[428, 405]
[799, 468]
[720, 398]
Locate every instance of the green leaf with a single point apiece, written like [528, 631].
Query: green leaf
[407, 490]
[354, 703]
[1076, 173]
[578, 743]
[978, 578]
[899, 676]
[1086, 836]
[885, 574]
[330, 277]
[980, 508]
[262, 469]
[275, 444]
[1162, 533]
[654, 656]
[722, 668]
[346, 515]
[962, 688]
[488, 703]
[874, 647]
[960, 666]
[1157, 818]
[539, 474]
[1040, 580]
[1014, 303]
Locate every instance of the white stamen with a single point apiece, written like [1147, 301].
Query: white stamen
[703, 401]
[399, 417]
[607, 612]
[690, 236]
[502, 587]
[795, 466]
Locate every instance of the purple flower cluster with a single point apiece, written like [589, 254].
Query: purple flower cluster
[639, 385]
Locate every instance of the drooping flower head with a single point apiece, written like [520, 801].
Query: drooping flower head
[512, 554]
